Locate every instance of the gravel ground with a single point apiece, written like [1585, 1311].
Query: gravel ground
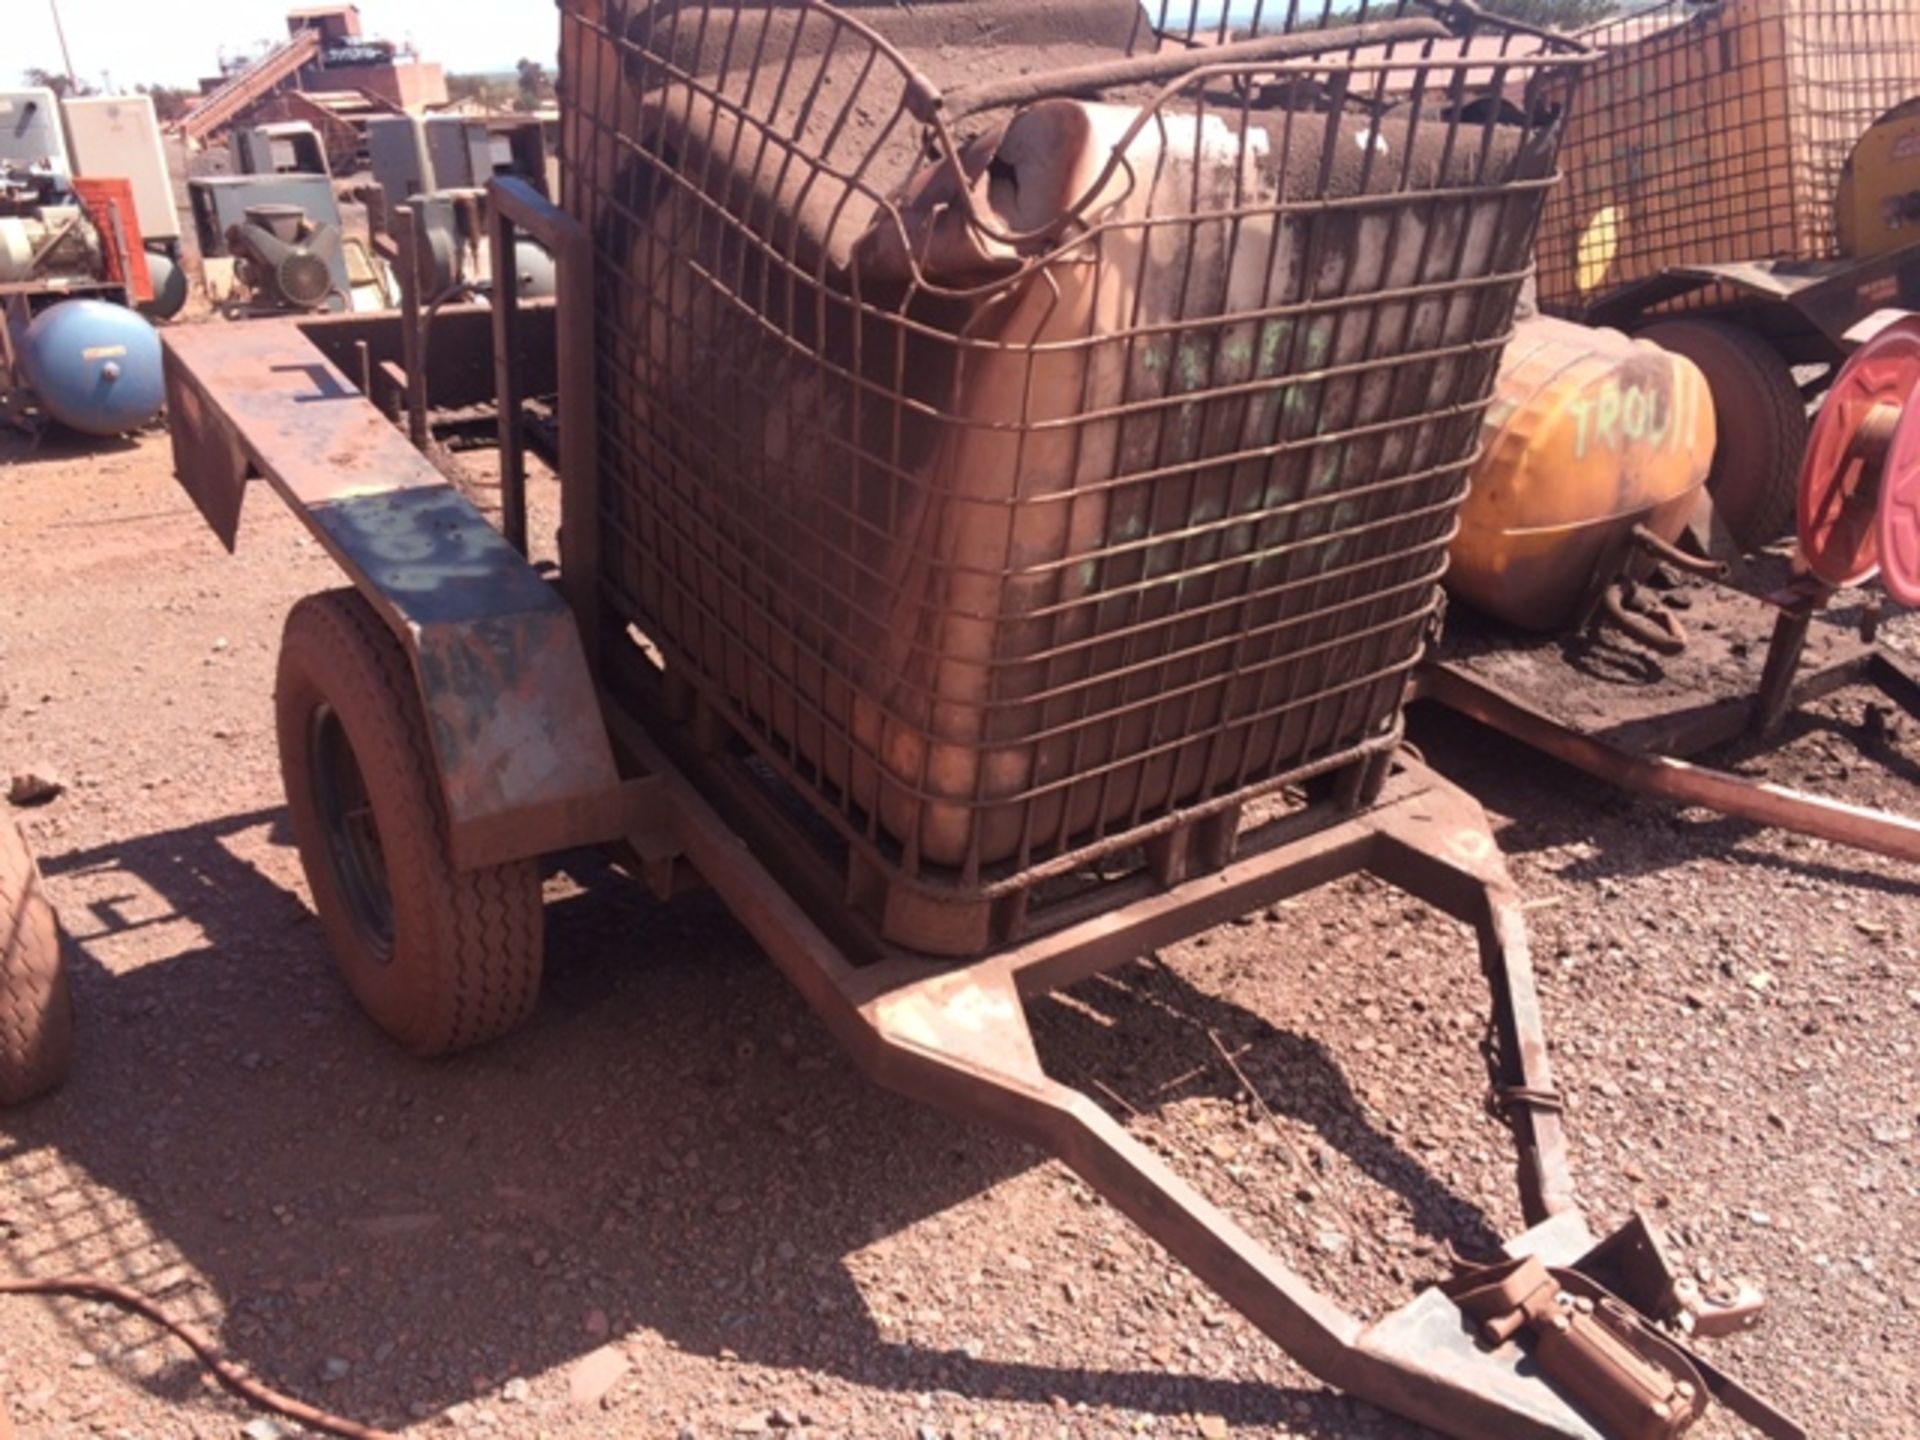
[670, 1207]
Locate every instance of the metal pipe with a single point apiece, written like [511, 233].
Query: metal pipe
[411, 238]
[1661, 777]
[506, 381]
[572, 250]
[1172, 64]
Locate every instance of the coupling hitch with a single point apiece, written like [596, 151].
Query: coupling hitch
[1632, 1263]
[1610, 1331]
[1629, 1378]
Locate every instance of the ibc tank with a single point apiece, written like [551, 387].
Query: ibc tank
[94, 366]
[1589, 434]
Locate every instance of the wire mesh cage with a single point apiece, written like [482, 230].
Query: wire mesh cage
[1036, 424]
[1717, 133]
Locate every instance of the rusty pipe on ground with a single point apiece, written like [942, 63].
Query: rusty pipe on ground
[1665, 552]
[1661, 777]
[1660, 630]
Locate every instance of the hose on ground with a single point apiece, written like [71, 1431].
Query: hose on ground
[86, 1287]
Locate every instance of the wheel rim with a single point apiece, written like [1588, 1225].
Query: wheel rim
[352, 834]
[1861, 451]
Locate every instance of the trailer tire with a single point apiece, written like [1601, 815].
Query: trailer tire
[442, 959]
[36, 1007]
[1755, 480]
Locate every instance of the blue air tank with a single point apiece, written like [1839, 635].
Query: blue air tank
[94, 366]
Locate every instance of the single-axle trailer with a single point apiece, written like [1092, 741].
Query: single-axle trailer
[474, 648]
[977, 573]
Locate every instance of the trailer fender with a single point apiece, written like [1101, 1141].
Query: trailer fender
[525, 764]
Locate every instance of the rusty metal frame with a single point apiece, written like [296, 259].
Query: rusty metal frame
[505, 675]
[956, 1038]
[1638, 761]
[524, 763]
[1662, 777]
[1830, 296]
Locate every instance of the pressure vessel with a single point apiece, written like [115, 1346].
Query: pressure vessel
[1589, 434]
[93, 366]
[169, 286]
[538, 277]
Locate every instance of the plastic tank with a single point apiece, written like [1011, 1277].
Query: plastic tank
[1589, 434]
[94, 367]
[1025, 499]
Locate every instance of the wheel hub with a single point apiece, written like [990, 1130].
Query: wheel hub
[1859, 496]
[353, 837]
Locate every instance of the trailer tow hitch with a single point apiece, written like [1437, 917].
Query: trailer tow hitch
[1633, 1381]
[1610, 1331]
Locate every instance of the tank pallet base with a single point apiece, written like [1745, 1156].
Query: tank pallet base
[954, 921]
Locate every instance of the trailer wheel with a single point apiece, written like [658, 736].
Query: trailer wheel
[440, 958]
[36, 1008]
[1755, 479]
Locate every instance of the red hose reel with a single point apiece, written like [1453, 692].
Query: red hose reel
[1860, 482]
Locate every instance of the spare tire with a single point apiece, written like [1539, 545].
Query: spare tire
[36, 1009]
[1755, 481]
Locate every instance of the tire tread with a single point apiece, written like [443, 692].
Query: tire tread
[36, 1006]
[480, 976]
[1772, 420]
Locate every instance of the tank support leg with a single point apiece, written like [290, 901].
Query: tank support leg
[1789, 643]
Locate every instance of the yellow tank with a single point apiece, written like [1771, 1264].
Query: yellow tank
[1878, 204]
[1589, 434]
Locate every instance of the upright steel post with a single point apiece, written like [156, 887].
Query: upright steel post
[506, 379]
[410, 235]
[518, 204]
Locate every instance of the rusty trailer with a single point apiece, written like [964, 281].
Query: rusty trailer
[1175, 700]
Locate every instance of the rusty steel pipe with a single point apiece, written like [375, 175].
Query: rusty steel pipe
[967, 100]
[1661, 777]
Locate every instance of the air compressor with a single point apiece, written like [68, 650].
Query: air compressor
[72, 265]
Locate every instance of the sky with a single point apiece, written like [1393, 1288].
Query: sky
[141, 42]
[162, 41]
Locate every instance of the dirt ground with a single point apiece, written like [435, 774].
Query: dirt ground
[670, 1208]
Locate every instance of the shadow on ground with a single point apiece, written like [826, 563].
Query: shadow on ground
[55, 444]
[673, 1142]
[1552, 804]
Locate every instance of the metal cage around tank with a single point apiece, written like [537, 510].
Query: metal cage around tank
[1709, 134]
[537, 727]
[1026, 447]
